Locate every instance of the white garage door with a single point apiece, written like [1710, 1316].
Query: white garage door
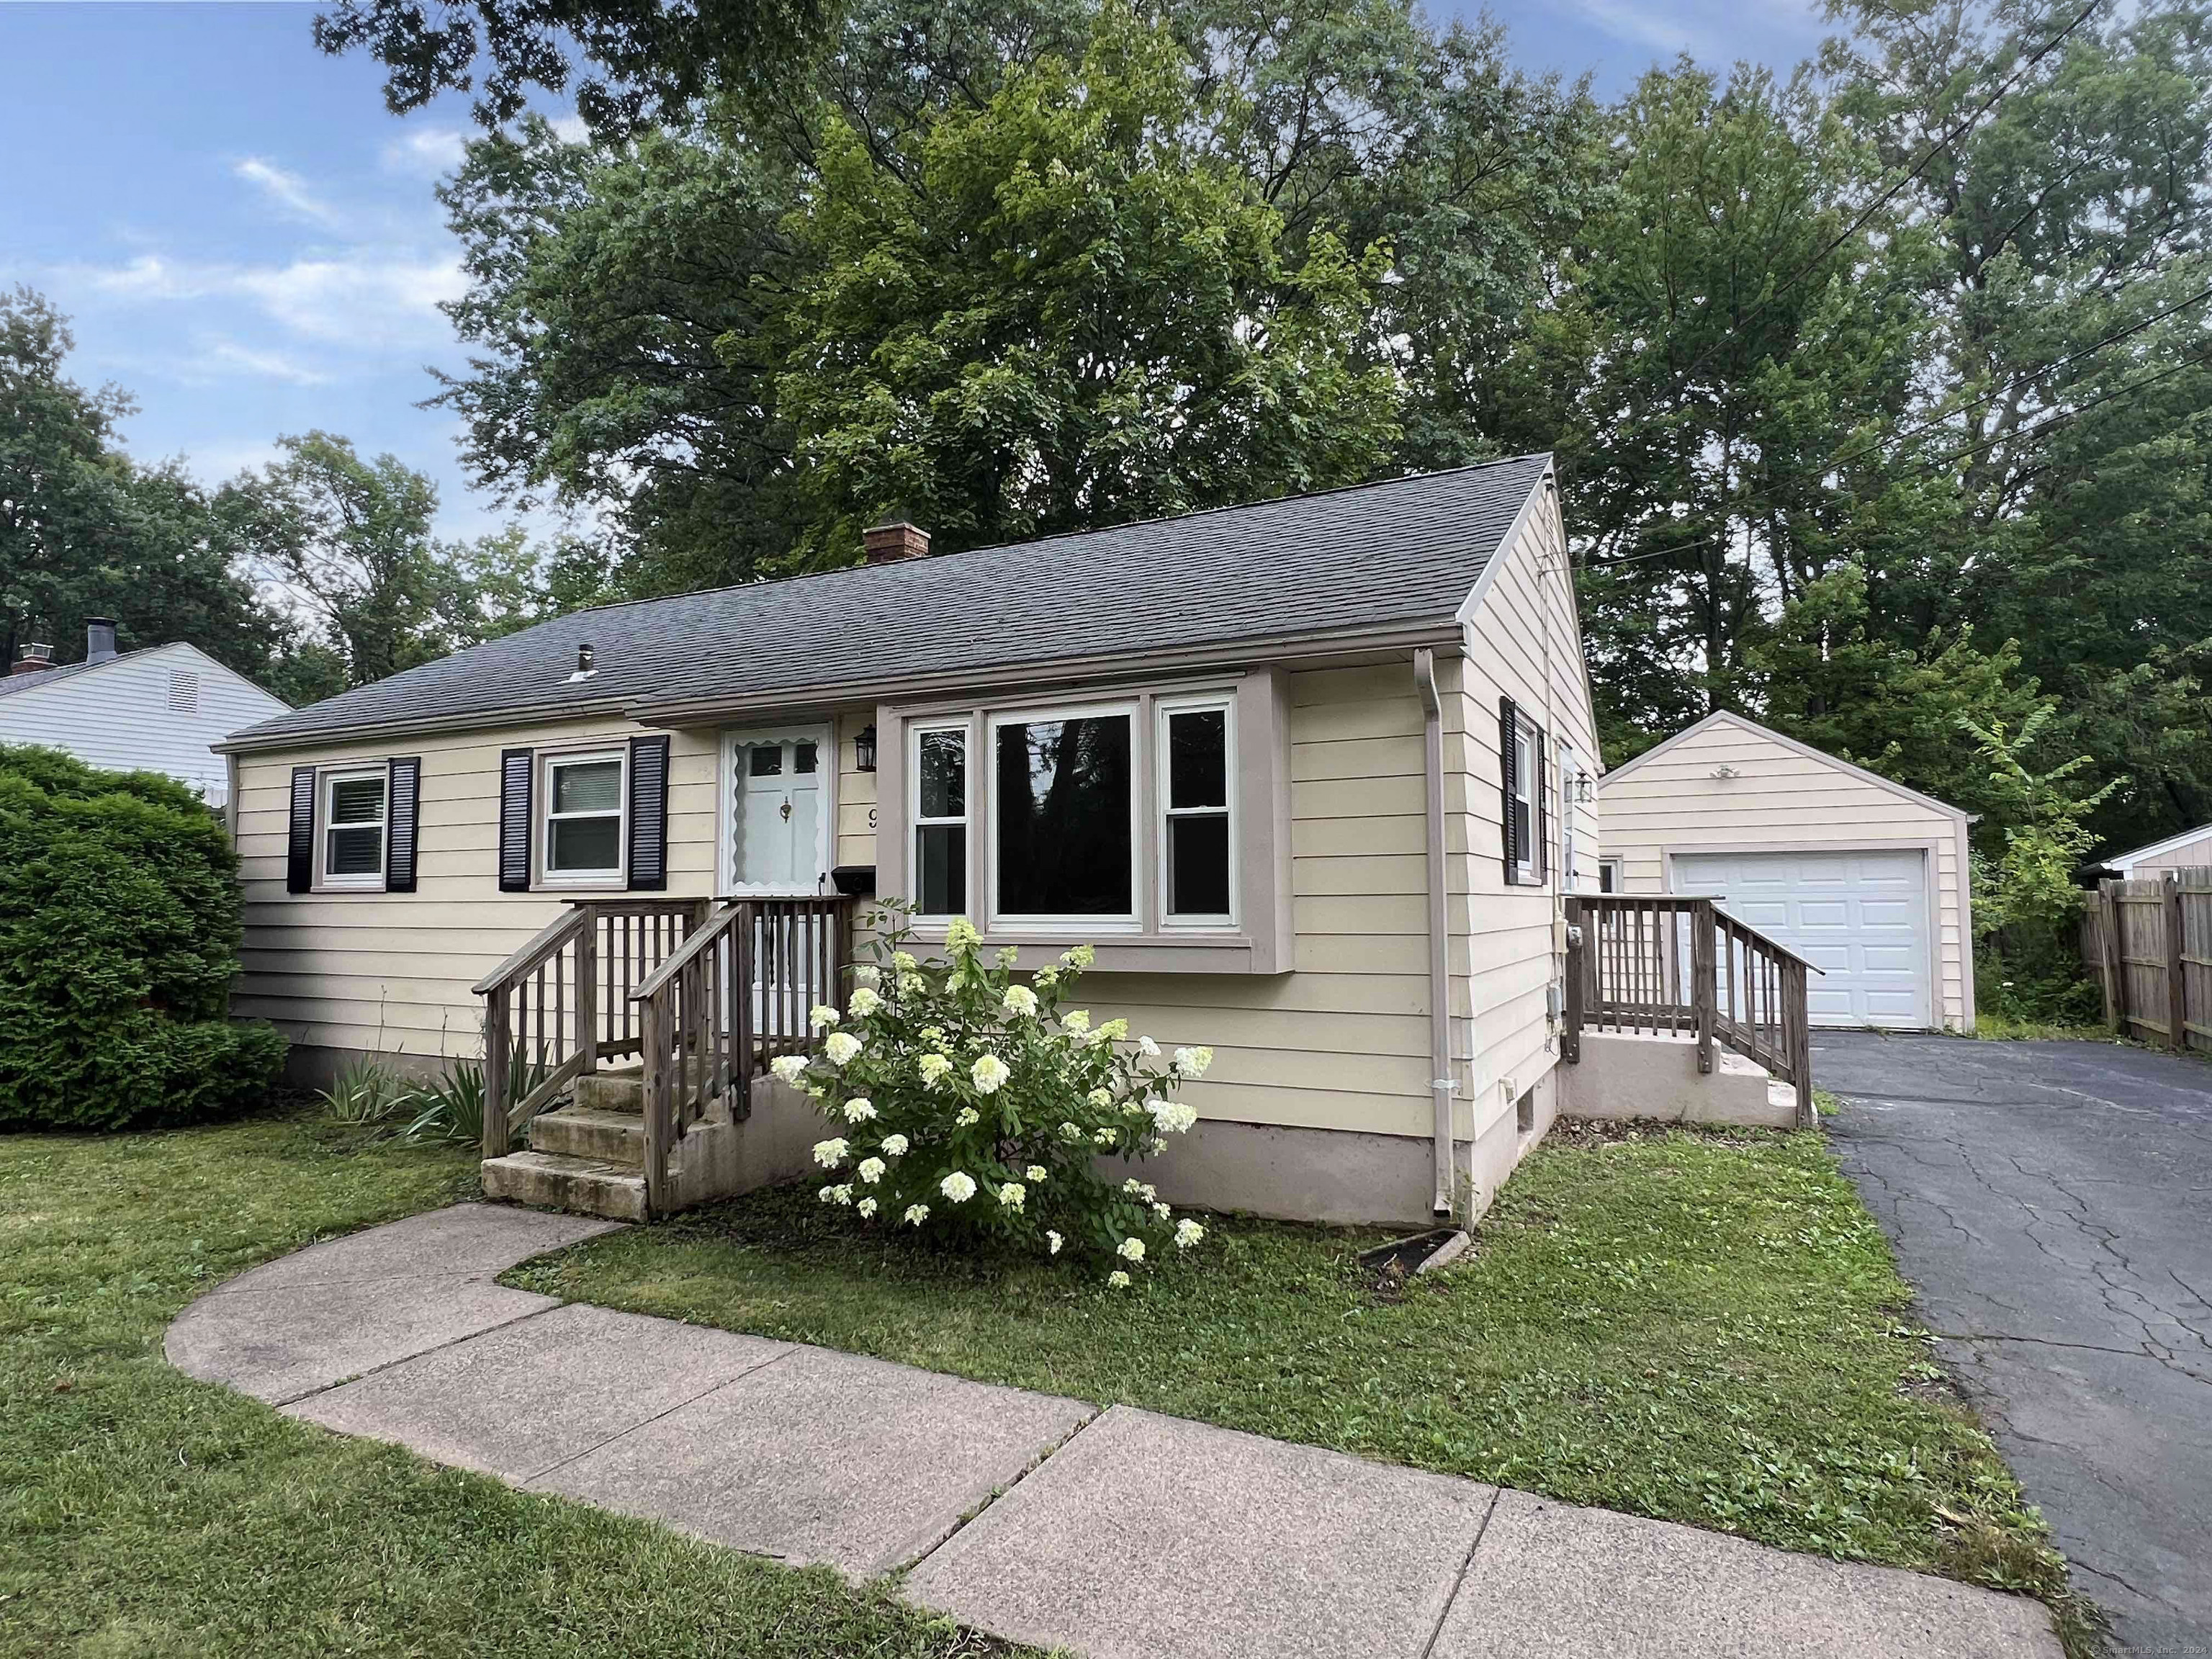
[1861, 917]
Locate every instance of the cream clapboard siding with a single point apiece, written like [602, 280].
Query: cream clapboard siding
[392, 972]
[1523, 642]
[128, 715]
[1782, 799]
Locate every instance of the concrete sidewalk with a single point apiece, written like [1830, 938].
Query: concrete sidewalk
[1115, 1534]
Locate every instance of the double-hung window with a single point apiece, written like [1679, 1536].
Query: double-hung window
[1526, 748]
[1564, 776]
[355, 817]
[584, 818]
[1064, 818]
[1197, 843]
[940, 819]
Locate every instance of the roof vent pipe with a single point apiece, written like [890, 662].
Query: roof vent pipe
[585, 669]
[99, 638]
[33, 660]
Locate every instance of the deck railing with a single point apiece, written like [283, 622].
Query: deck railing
[717, 1011]
[1668, 965]
[562, 1004]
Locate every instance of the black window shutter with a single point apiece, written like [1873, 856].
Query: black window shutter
[1507, 785]
[516, 768]
[648, 814]
[1543, 850]
[299, 851]
[402, 811]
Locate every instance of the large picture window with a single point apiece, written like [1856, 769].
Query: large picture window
[1063, 816]
[940, 820]
[354, 818]
[584, 817]
[1198, 843]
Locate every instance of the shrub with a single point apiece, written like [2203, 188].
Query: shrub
[120, 927]
[365, 1091]
[969, 1105]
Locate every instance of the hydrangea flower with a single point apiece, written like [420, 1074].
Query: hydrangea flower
[841, 1046]
[1052, 1244]
[830, 1153]
[1047, 978]
[1192, 1062]
[1172, 1117]
[837, 1194]
[1112, 1031]
[859, 1109]
[961, 935]
[866, 1206]
[931, 1035]
[789, 1067]
[1188, 1233]
[895, 1145]
[959, 1186]
[1101, 1097]
[989, 1074]
[1159, 1205]
[967, 1118]
[866, 976]
[1133, 1109]
[1118, 1279]
[1009, 955]
[823, 1015]
[1011, 1194]
[1020, 1000]
[1136, 1189]
[935, 1068]
[1102, 1137]
[1071, 1132]
[1034, 1175]
[916, 1215]
[911, 985]
[904, 961]
[1080, 957]
[1148, 1048]
[1130, 1249]
[871, 1169]
[1076, 1020]
[864, 1002]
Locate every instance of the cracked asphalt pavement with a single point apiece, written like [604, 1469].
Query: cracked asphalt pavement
[2051, 1202]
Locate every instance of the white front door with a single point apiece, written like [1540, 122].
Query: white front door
[1861, 918]
[778, 811]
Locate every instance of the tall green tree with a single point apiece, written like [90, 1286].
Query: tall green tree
[85, 531]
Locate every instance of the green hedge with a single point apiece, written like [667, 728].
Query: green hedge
[120, 927]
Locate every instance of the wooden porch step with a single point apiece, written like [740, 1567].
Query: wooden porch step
[583, 1186]
[608, 1137]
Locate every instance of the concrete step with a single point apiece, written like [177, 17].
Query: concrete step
[617, 1138]
[622, 1091]
[583, 1186]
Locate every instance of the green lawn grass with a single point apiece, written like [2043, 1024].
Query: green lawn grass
[144, 1514]
[1704, 1328]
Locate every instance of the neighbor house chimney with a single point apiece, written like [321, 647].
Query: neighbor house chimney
[33, 660]
[99, 638]
[888, 543]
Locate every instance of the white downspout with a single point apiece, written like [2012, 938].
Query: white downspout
[1441, 1086]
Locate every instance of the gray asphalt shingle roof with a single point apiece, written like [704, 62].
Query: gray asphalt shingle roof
[1402, 552]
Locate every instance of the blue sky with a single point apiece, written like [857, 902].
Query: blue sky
[247, 242]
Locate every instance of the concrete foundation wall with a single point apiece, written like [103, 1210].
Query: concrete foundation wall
[1657, 1077]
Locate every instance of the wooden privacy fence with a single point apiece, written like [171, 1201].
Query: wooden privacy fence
[2149, 943]
[1664, 965]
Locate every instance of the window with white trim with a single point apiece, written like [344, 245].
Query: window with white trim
[584, 814]
[1197, 772]
[1526, 748]
[938, 810]
[355, 817]
[1566, 773]
[1063, 818]
[1608, 876]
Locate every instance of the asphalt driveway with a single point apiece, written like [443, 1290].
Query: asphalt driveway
[2052, 1203]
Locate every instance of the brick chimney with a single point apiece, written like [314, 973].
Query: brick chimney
[99, 638]
[33, 660]
[888, 542]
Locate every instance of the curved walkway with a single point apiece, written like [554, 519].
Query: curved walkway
[1113, 1534]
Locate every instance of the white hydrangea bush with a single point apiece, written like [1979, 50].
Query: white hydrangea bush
[964, 1100]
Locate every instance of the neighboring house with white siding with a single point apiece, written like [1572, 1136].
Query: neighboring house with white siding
[1310, 774]
[2190, 850]
[1866, 879]
[159, 709]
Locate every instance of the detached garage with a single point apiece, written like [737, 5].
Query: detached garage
[1862, 877]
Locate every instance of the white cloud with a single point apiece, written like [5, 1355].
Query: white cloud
[228, 358]
[371, 298]
[288, 189]
[427, 152]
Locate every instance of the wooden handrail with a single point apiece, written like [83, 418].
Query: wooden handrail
[703, 936]
[1678, 964]
[543, 943]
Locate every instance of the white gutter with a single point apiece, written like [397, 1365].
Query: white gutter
[1441, 1086]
